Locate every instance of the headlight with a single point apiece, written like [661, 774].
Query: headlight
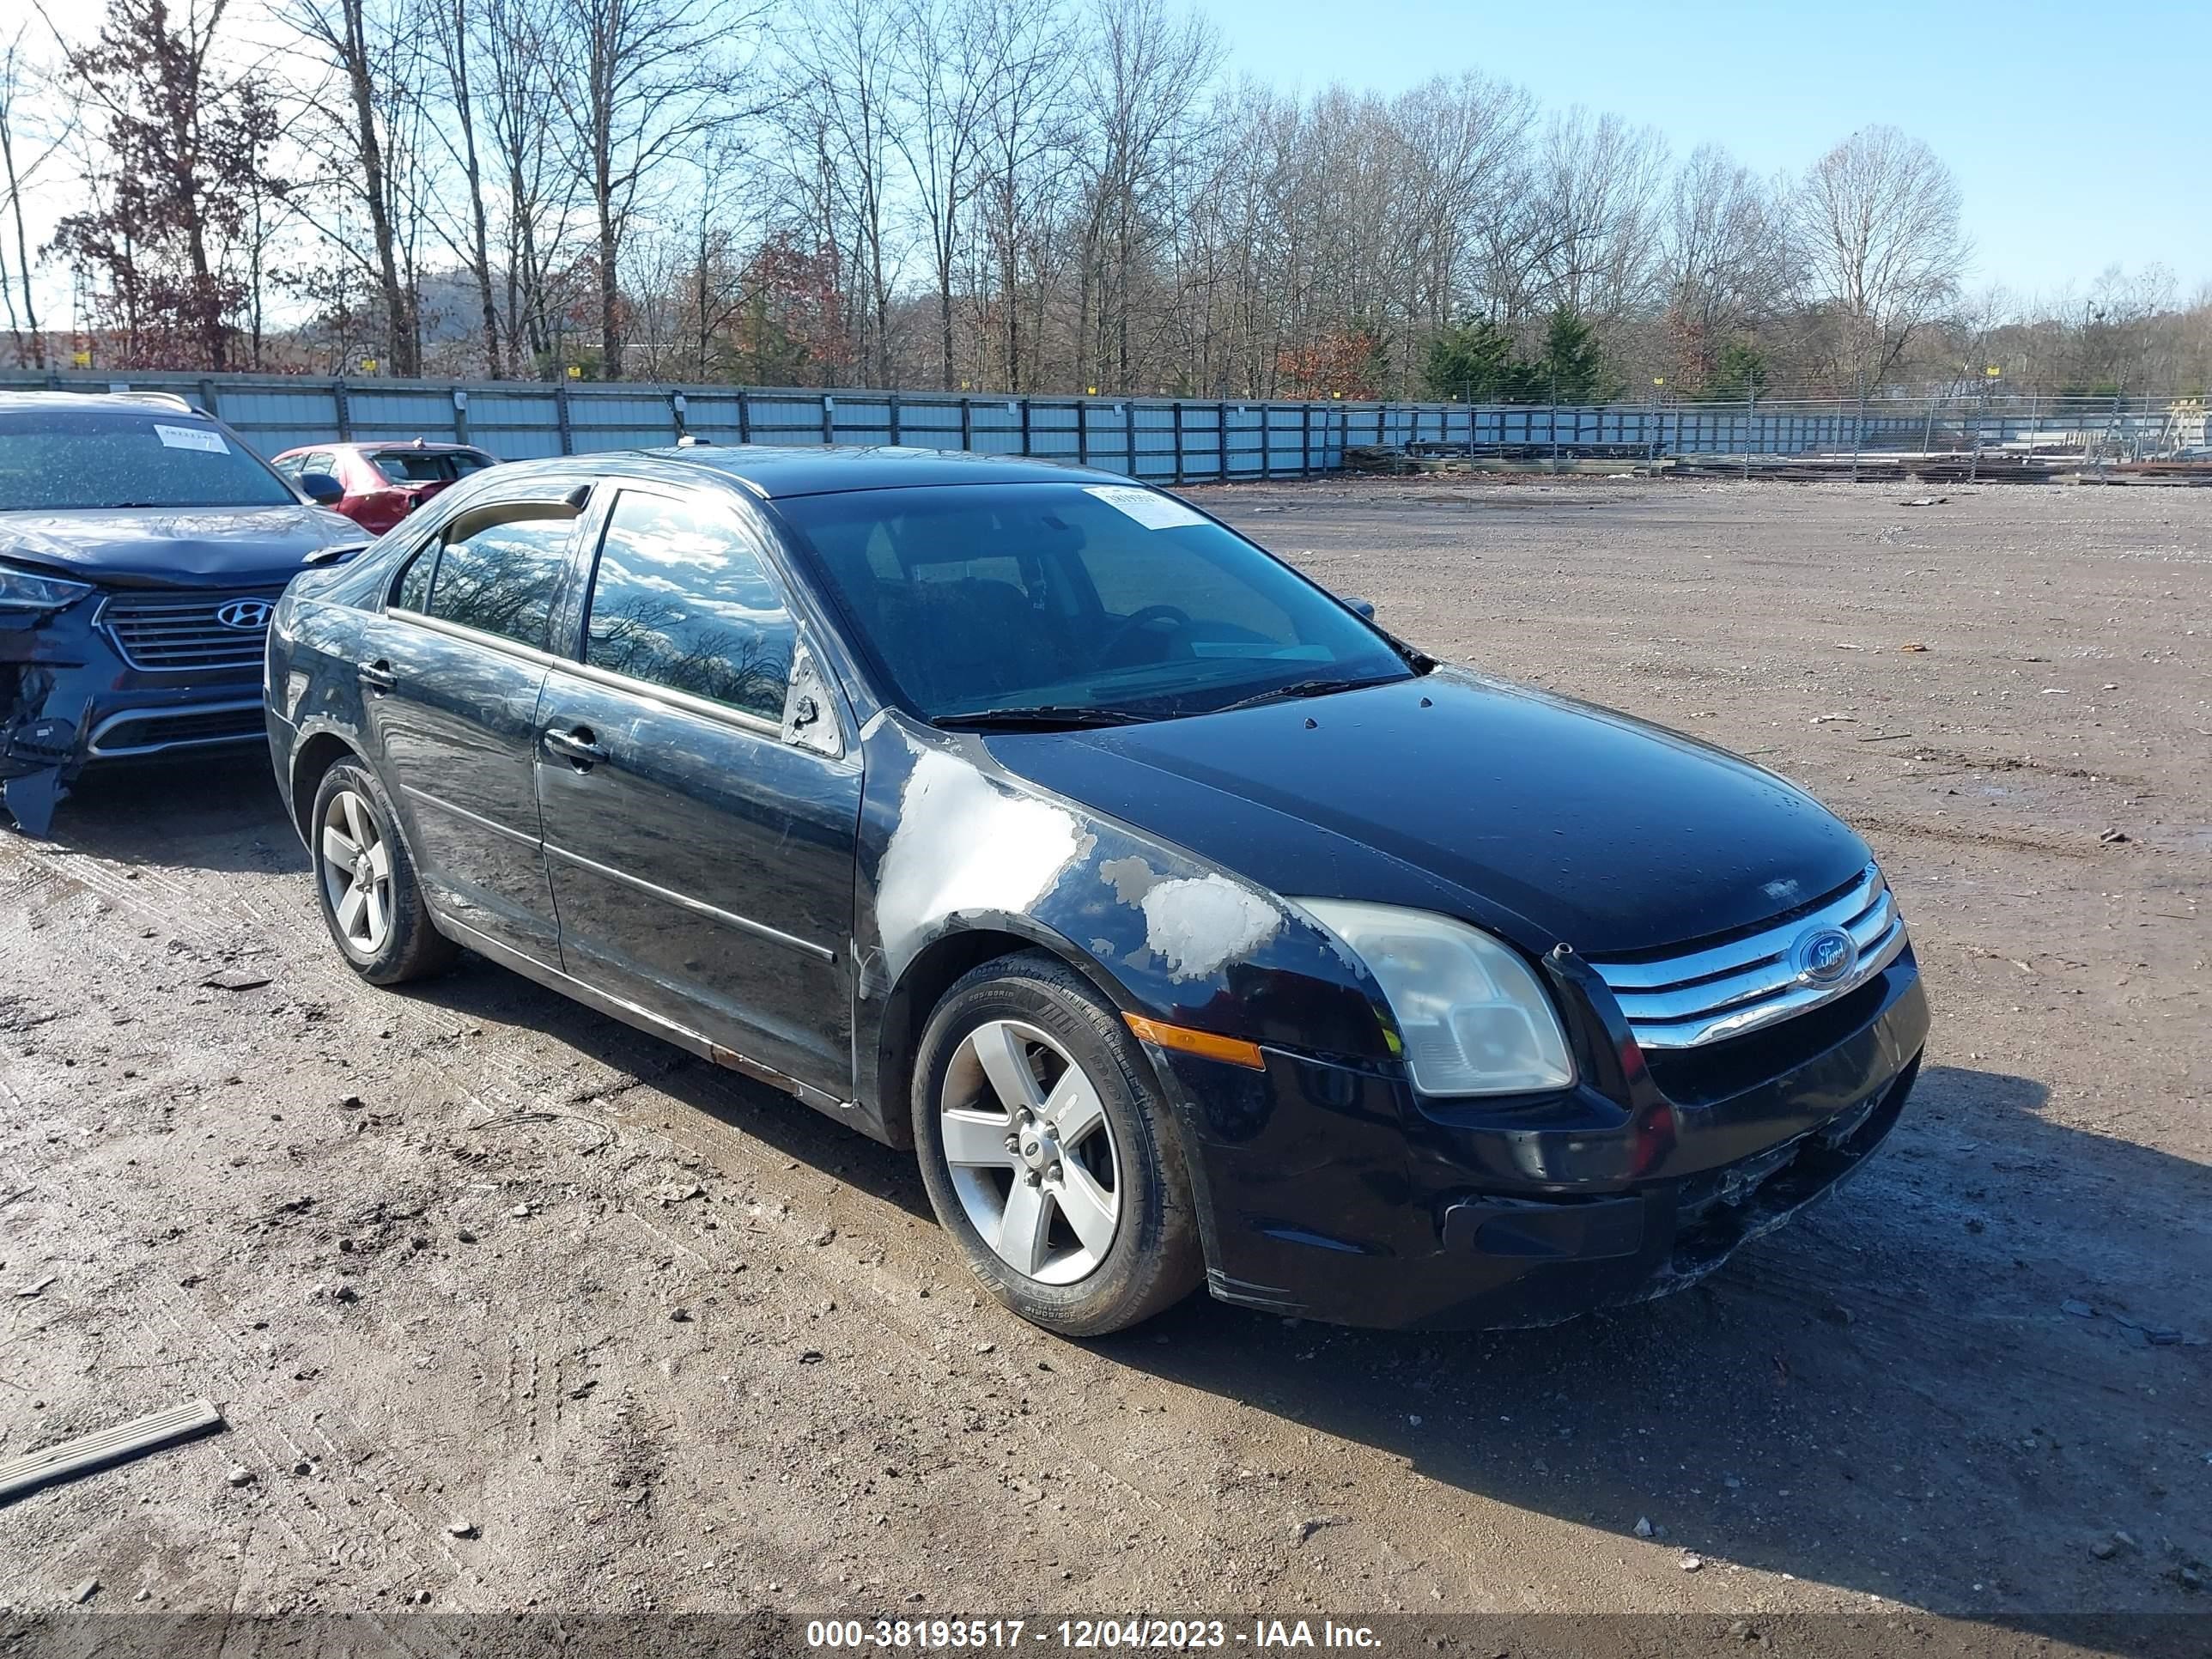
[1474, 1019]
[27, 590]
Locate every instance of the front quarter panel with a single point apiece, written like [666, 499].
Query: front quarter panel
[311, 685]
[952, 844]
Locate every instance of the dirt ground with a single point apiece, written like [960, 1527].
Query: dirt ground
[508, 1307]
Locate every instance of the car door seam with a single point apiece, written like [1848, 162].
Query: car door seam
[699, 907]
[477, 818]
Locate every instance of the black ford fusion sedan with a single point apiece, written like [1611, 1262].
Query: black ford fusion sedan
[1183, 921]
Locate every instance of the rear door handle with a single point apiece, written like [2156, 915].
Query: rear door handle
[577, 746]
[378, 676]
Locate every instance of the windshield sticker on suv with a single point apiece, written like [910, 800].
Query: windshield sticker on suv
[1153, 510]
[192, 437]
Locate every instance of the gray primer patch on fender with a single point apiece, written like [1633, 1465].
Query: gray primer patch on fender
[964, 844]
[1199, 923]
[1131, 878]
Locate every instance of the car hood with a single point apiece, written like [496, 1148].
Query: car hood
[177, 546]
[1549, 819]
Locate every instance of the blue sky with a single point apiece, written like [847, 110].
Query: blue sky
[2081, 134]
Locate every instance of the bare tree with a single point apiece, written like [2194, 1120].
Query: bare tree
[947, 83]
[1878, 216]
[691, 287]
[1144, 76]
[1026, 128]
[455, 39]
[534, 191]
[840, 121]
[1469, 134]
[1036, 194]
[23, 153]
[641, 82]
[1728, 259]
[2115, 333]
[374, 46]
[1593, 221]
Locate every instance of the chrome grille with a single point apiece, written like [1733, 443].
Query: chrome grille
[1681, 1001]
[175, 631]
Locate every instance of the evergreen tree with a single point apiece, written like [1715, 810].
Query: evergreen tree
[1572, 369]
[1472, 361]
[1741, 373]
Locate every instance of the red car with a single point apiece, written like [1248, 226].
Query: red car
[377, 485]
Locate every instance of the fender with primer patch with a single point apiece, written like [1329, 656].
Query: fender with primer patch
[951, 845]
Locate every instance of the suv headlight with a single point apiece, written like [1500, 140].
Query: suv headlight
[28, 590]
[1472, 1016]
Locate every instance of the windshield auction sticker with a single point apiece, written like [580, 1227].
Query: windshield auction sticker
[1153, 511]
[192, 437]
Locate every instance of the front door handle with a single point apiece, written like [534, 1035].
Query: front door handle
[577, 746]
[378, 676]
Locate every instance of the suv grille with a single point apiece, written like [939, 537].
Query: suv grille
[1726, 990]
[181, 631]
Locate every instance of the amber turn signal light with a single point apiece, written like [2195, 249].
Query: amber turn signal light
[1203, 1043]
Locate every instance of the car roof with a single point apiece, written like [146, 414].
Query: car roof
[775, 471]
[118, 402]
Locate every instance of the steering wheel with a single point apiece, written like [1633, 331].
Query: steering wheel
[1151, 616]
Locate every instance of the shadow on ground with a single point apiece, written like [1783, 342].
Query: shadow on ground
[220, 812]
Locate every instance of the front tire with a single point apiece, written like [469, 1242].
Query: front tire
[371, 896]
[1049, 1153]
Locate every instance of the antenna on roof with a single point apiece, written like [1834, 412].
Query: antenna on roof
[693, 440]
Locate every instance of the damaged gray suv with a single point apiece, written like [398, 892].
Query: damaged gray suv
[142, 546]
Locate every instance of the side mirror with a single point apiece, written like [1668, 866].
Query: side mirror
[1365, 607]
[321, 489]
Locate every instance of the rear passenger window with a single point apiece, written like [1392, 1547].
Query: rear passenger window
[500, 567]
[413, 588]
[682, 599]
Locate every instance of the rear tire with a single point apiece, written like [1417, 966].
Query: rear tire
[371, 897]
[1049, 1153]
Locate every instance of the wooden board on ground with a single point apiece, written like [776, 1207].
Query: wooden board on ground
[91, 1452]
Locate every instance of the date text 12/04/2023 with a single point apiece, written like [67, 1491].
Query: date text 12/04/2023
[1170, 1635]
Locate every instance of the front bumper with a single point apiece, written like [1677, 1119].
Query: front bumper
[1336, 1194]
[69, 697]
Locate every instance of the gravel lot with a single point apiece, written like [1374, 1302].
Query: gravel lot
[510, 1307]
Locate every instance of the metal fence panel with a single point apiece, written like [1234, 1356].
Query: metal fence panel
[1160, 440]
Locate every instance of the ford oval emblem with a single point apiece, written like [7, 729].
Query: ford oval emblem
[248, 615]
[1824, 956]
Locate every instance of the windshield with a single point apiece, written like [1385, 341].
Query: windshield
[429, 466]
[979, 598]
[55, 460]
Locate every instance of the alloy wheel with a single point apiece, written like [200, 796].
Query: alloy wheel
[356, 864]
[1032, 1155]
